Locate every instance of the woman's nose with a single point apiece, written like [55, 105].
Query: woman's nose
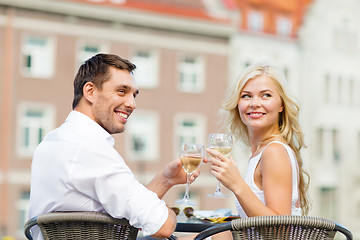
[255, 102]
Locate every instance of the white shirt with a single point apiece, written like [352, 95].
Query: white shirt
[76, 168]
[250, 174]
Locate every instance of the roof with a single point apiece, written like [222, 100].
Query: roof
[197, 9]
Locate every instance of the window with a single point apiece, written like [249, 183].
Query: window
[255, 21]
[327, 202]
[355, 90]
[327, 88]
[286, 73]
[143, 136]
[328, 144]
[346, 41]
[339, 89]
[351, 91]
[320, 142]
[38, 53]
[88, 50]
[358, 148]
[34, 121]
[218, 8]
[22, 207]
[335, 142]
[191, 74]
[146, 72]
[283, 26]
[189, 128]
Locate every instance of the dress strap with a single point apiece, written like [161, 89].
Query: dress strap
[275, 141]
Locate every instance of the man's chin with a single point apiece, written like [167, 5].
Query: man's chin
[116, 131]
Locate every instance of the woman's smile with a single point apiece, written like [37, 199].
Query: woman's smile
[255, 115]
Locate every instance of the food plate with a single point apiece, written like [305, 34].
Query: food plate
[221, 219]
[215, 216]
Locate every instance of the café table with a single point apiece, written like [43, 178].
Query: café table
[192, 225]
[200, 220]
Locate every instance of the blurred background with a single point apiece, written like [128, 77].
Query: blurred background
[187, 53]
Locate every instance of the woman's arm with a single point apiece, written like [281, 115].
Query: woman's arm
[275, 180]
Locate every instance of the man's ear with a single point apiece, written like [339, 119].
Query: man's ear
[89, 92]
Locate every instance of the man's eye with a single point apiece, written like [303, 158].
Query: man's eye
[120, 91]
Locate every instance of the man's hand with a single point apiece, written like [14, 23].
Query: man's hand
[171, 175]
[175, 173]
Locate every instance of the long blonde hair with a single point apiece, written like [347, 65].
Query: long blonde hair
[289, 125]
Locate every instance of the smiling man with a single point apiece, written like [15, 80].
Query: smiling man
[76, 168]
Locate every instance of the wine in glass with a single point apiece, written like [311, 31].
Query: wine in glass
[222, 143]
[191, 156]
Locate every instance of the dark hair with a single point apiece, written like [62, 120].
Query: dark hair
[96, 70]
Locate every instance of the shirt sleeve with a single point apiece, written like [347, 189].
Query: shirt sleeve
[100, 173]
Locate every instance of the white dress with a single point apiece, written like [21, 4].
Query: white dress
[249, 179]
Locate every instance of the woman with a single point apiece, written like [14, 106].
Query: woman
[263, 116]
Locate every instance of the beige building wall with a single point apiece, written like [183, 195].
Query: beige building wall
[69, 26]
[224, 51]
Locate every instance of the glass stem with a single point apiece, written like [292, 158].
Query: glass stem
[218, 190]
[186, 196]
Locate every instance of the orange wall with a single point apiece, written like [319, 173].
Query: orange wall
[271, 10]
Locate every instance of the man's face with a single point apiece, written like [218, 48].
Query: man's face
[114, 103]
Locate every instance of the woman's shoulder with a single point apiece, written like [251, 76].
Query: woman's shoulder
[275, 147]
[276, 152]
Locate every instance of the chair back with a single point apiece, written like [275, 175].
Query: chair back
[279, 227]
[81, 225]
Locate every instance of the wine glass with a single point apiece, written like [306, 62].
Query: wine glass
[191, 156]
[222, 143]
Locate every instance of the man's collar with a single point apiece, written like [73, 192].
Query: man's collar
[84, 121]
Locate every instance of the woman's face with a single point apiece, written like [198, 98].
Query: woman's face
[260, 104]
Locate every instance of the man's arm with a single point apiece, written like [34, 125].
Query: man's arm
[168, 227]
[171, 175]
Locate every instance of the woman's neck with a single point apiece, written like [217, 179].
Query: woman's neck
[259, 140]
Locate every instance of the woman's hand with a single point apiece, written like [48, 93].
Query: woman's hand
[224, 169]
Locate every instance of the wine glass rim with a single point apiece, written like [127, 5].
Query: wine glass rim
[194, 144]
[220, 134]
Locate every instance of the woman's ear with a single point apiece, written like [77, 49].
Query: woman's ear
[282, 106]
[281, 109]
[89, 92]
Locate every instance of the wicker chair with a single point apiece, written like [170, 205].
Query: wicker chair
[80, 226]
[279, 227]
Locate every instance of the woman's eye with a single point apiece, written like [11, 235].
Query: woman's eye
[267, 95]
[245, 96]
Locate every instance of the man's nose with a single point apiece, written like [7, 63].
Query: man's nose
[130, 102]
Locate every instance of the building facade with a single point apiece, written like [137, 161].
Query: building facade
[187, 52]
[330, 45]
[182, 60]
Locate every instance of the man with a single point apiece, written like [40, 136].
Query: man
[76, 168]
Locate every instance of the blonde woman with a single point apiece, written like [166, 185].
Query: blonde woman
[264, 117]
